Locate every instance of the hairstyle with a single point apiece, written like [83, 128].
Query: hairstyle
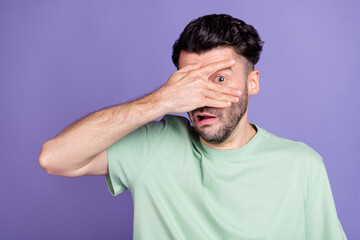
[215, 30]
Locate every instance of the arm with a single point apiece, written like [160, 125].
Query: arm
[321, 219]
[80, 149]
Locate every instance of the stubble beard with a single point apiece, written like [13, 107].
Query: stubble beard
[228, 121]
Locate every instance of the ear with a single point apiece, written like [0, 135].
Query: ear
[253, 82]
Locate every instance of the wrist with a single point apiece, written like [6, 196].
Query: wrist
[152, 105]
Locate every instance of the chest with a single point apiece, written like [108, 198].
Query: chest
[252, 193]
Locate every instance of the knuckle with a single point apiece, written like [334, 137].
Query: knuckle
[222, 97]
[227, 90]
[190, 74]
[195, 78]
[218, 88]
[200, 91]
[198, 82]
[211, 85]
[200, 79]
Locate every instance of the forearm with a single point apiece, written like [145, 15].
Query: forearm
[76, 145]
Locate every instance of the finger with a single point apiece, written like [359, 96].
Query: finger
[212, 68]
[190, 67]
[220, 96]
[215, 103]
[222, 89]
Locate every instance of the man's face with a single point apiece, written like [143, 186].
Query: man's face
[217, 130]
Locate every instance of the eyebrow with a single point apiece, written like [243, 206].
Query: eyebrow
[229, 68]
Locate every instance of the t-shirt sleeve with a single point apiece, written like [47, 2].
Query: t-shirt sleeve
[129, 156]
[321, 220]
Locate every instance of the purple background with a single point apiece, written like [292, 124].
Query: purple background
[61, 60]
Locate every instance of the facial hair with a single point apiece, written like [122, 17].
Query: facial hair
[228, 120]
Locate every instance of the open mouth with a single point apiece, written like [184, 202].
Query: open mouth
[204, 119]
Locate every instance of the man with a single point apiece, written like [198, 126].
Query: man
[219, 178]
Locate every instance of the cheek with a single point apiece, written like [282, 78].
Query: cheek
[241, 85]
[237, 82]
[234, 108]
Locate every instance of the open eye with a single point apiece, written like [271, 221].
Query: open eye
[220, 79]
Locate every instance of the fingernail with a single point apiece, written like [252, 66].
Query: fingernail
[236, 98]
[238, 92]
[231, 61]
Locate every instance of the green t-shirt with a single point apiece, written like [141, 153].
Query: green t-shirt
[271, 188]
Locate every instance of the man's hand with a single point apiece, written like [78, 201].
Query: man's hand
[189, 88]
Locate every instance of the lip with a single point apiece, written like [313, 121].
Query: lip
[209, 119]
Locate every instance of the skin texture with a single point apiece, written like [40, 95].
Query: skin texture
[231, 129]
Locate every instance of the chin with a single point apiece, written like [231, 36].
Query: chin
[212, 134]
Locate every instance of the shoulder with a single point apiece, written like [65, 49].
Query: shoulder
[176, 124]
[287, 146]
[167, 126]
[175, 119]
[177, 130]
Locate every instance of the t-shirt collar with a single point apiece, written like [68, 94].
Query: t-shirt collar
[218, 153]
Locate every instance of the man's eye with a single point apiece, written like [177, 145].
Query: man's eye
[220, 79]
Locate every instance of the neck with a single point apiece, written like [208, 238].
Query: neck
[241, 135]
